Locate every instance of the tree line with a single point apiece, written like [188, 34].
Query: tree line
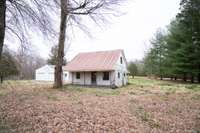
[19, 65]
[175, 52]
[22, 64]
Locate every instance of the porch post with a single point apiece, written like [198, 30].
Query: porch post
[110, 79]
[84, 78]
[72, 78]
[114, 74]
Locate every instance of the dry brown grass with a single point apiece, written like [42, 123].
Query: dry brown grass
[144, 106]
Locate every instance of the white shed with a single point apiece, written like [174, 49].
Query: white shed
[46, 73]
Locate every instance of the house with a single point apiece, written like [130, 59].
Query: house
[103, 68]
[46, 73]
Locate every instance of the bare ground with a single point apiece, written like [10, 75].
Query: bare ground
[144, 106]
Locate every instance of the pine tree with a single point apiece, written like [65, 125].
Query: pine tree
[176, 56]
[177, 53]
[155, 59]
[53, 57]
[7, 66]
[190, 21]
[132, 68]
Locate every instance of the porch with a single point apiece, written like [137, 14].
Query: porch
[106, 78]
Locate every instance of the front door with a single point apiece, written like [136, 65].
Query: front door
[94, 78]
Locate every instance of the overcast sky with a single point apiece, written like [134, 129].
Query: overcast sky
[130, 32]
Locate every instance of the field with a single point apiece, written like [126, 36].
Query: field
[144, 106]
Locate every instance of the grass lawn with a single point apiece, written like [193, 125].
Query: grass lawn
[146, 105]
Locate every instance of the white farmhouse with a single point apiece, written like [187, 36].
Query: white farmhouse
[104, 68]
[46, 73]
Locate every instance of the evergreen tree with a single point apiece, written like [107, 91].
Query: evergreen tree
[7, 66]
[176, 54]
[53, 57]
[190, 20]
[132, 68]
[155, 59]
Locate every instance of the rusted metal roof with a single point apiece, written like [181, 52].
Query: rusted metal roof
[94, 61]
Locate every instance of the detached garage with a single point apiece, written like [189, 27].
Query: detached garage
[46, 73]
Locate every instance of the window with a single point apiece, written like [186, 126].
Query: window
[77, 75]
[121, 60]
[118, 75]
[106, 76]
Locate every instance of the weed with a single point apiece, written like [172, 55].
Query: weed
[79, 102]
[105, 92]
[4, 128]
[196, 131]
[164, 97]
[96, 91]
[196, 97]
[77, 89]
[173, 110]
[133, 101]
[2, 94]
[165, 84]
[52, 97]
[169, 91]
[132, 93]
[154, 123]
[193, 87]
[146, 116]
[142, 114]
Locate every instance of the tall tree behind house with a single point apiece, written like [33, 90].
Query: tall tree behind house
[53, 56]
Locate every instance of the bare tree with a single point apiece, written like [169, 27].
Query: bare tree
[27, 62]
[18, 17]
[58, 69]
[71, 12]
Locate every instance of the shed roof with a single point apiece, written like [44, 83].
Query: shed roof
[46, 68]
[94, 61]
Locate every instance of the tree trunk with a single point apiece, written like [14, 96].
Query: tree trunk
[1, 78]
[198, 76]
[2, 24]
[184, 77]
[175, 78]
[58, 69]
[161, 77]
[192, 79]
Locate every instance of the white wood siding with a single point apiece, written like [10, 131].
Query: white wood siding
[122, 69]
[46, 73]
[85, 78]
